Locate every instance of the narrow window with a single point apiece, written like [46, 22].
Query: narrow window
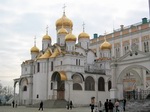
[38, 67]
[51, 86]
[51, 66]
[37, 96]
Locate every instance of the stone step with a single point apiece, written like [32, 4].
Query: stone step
[51, 104]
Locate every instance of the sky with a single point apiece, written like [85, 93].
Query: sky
[22, 20]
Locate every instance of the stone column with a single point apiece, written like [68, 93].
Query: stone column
[30, 88]
[113, 90]
[121, 47]
[140, 42]
[144, 79]
[96, 88]
[143, 76]
[20, 95]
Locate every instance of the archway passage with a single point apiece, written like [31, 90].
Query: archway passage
[133, 79]
[58, 78]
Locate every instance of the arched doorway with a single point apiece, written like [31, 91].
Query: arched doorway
[132, 79]
[58, 79]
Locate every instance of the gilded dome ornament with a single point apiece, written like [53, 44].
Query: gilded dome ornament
[70, 37]
[64, 20]
[46, 37]
[105, 45]
[62, 30]
[83, 34]
[34, 48]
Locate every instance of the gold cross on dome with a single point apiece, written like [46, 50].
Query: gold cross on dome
[83, 26]
[47, 29]
[34, 40]
[64, 8]
[105, 35]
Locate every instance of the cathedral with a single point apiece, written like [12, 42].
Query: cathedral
[78, 68]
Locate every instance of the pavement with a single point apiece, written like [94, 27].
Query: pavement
[28, 109]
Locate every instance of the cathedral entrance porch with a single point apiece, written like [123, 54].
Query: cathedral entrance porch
[58, 79]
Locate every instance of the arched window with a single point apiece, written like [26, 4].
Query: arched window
[77, 86]
[89, 84]
[101, 84]
[109, 85]
[25, 88]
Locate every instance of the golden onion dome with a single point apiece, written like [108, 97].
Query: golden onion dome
[105, 45]
[34, 49]
[62, 31]
[46, 37]
[70, 37]
[46, 55]
[64, 21]
[83, 35]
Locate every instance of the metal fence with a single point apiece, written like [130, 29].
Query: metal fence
[141, 95]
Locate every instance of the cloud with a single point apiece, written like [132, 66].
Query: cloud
[22, 20]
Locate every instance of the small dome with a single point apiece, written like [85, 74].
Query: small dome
[83, 35]
[46, 37]
[62, 31]
[34, 49]
[70, 37]
[105, 45]
[64, 21]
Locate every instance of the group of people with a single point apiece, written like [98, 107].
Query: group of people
[109, 106]
[69, 105]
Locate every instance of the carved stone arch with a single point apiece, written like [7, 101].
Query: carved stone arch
[23, 79]
[77, 78]
[137, 76]
[59, 76]
[15, 82]
[131, 69]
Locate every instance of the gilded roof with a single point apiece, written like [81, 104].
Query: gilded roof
[62, 30]
[105, 45]
[70, 37]
[46, 55]
[64, 21]
[56, 52]
[46, 37]
[34, 49]
[83, 35]
[63, 75]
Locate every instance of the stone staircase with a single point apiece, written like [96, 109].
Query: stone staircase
[51, 104]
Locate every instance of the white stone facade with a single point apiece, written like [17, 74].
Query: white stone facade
[78, 71]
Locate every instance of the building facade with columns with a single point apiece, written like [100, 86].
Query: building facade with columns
[130, 58]
[103, 67]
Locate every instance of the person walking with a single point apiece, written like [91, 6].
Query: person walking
[41, 106]
[110, 106]
[70, 105]
[106, 105]
[100, 106]
[117, 105]
[13, 103]
[92, 107]
[124, 104]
